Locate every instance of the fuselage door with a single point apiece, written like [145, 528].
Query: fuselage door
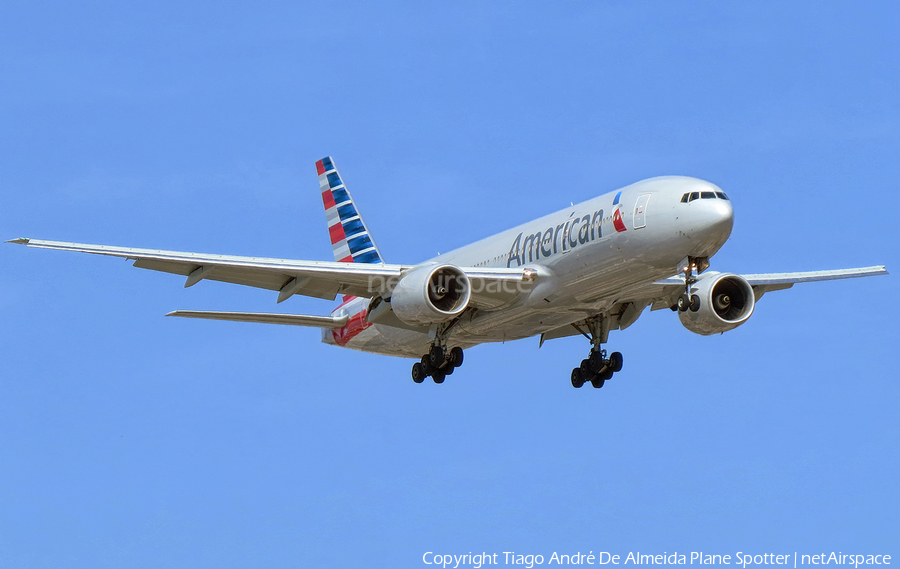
[640, 211]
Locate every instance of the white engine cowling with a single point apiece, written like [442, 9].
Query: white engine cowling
[726, 302]
[431, 294]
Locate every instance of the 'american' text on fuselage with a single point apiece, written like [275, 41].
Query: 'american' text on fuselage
[546, 243]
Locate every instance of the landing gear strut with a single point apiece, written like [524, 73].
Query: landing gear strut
[597, 367]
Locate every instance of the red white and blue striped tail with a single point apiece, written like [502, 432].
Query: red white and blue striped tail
[350, 237]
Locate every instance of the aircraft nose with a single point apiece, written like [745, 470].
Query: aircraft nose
[720, 217]
[713, 220]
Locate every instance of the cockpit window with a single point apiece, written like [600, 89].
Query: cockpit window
[689, 197]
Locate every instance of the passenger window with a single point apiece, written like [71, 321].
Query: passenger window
[684, 198]
[708, 195]
[694, 196]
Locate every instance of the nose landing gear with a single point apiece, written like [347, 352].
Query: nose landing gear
[688, 301]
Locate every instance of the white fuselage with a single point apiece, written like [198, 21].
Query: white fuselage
[588, 257]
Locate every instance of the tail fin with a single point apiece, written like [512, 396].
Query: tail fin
[350, 237]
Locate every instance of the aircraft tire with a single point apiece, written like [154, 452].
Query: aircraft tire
[585, 367]
[426, 364]
[438, 376]
[597, 382]
[695, 303]
[456, 356]
[418, 373]
[603, 376]
[615, 361]
[436, 356]
[577, 378]
[683, 303]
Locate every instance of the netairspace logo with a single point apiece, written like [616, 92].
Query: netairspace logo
[741, 559]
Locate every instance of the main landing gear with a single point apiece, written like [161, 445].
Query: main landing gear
[597, 367]
[438, 363]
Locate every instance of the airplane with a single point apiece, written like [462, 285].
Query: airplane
[587, 269]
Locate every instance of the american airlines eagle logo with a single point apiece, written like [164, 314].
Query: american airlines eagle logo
[617, 215]
[617, 220]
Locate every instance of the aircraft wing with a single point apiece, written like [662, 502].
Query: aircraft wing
[664, 293]
[763, 283]
[319, 279]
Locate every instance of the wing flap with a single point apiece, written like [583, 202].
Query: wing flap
[316, 287]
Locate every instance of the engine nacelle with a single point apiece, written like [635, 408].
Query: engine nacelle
[726, 302]
[431, 294]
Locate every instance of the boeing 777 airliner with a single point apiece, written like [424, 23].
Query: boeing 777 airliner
[584, 270]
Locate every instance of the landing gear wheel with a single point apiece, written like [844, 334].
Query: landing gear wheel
[616, 361]
[448, 369]
[456, 357]
[436, 356]
[426, 364]
[683, 303]
[695, 303]
[577, 378]
[599, 366]
[418, 373]
[438, 376]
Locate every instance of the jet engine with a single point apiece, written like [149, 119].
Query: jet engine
[726, 302]
[431, 294]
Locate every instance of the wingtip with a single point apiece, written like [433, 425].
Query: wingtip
[20, 241]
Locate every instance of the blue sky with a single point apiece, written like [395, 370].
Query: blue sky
[129, 439]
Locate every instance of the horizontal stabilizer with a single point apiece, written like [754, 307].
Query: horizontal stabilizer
[266, 318]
